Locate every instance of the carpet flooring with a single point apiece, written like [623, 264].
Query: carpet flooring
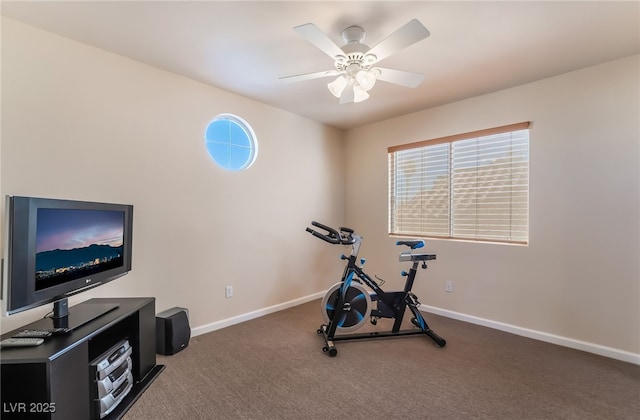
[273, 367]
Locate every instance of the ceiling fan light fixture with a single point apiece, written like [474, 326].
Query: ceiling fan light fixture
[366, 79]
[359, 94]
[337, 86]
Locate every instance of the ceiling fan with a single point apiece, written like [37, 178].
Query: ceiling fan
[355, 62]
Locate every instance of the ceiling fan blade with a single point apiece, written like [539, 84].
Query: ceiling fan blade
[409, 34]
[315, 36]
[308, 76]
[347, 95]
[400, 77]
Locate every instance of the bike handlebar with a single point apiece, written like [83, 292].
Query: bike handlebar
[332, 236]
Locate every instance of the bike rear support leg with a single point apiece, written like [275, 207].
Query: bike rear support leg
[419, 321]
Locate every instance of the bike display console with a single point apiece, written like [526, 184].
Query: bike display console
[95, 372]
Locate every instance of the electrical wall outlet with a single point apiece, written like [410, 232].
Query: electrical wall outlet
[448, 286]
[228, 291]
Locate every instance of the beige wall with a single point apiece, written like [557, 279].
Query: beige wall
[82, 123]
[579, 277]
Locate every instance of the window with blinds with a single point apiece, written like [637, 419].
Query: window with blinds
[472, 186]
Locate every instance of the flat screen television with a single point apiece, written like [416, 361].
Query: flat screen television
[56, 248]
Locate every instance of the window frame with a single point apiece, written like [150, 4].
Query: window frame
[246, 128]
[392, 177]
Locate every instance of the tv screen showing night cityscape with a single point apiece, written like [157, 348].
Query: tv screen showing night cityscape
[75, 243]
[56, 248]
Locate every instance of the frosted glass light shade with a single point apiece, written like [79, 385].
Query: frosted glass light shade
[366, 79]
[337, 86]
[359, 94]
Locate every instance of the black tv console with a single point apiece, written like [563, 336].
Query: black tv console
[53, 380]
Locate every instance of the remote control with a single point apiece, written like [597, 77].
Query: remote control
[42, 333]
[33, 334]
[21, 342]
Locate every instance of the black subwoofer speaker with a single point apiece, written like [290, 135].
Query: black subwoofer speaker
[172, 331]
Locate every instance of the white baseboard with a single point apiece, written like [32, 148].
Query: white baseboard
[610, 352]
[252, 315]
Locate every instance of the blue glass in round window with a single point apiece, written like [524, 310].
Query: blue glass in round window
[231, 142]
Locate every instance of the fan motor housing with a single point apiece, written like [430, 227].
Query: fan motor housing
[361, 59]
[353, 34]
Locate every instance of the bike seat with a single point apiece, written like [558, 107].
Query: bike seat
[411, 244]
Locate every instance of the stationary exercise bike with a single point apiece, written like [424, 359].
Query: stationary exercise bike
[348, 305]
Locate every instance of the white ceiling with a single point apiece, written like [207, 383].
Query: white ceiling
[244, 47]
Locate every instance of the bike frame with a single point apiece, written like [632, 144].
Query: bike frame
[395, 302]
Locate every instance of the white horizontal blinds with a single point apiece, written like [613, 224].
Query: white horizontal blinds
[490, 187]
[419, 191]
[468, 186]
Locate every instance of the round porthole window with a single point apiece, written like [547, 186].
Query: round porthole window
[231, 142]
